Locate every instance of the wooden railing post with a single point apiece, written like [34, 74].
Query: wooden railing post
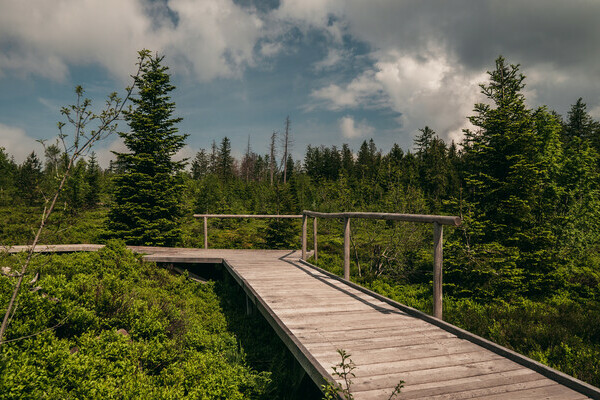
[315, 238]
[438, 256]
[206, 232]
[347, 248]
[304, 239]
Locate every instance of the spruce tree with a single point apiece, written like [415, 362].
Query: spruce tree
[147, 193]
[513, 161]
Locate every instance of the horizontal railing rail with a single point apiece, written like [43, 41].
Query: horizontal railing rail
[438, 222]
[205, 217]
[440, 219]
[247, 216]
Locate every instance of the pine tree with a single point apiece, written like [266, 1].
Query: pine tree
[92, 178]
[29, 178]
[200, 165]
[512, 163]
[8, 172]
[225, 162]
[147, 194]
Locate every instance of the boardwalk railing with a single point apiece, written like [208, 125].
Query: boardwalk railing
[438, 222]
[207, 216]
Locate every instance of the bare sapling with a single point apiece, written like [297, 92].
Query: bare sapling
[78, 116]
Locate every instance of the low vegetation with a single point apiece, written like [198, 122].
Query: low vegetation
[109, 325]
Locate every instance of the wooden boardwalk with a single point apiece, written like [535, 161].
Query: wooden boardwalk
[316, 313]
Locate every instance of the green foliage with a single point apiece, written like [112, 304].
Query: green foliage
[344, 371]
[147, 194]
[29, 178]
[280, 234]
[124, 329]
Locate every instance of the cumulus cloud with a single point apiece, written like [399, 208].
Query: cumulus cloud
[333, 58]
[363, 91]
[104, 151]
[430, 55]
[208, 39]
[17, 143]
[430, 91]
[352, 130]
[424, 90]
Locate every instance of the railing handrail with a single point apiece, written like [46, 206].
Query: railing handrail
[247, 216]
[438, 222]
[440, 219]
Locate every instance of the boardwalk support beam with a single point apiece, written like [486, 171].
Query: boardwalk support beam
[438, 256]
[205, 232]
[315, 239]
[304, 239]
[347, 248]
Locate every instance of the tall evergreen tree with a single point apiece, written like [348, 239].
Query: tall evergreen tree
[92, 178]
[147, 194]
[200, 165]
[225, 162]
[513, 161]
[8, 171]
[29, 178]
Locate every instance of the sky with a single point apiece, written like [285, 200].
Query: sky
[344, 71]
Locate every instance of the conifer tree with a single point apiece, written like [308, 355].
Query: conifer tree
[92, 178]
[200, 165]
[225, 168]
[29, 178]
[512, 162]
[147, 194]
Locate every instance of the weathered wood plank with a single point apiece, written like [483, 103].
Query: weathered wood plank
[438, 376]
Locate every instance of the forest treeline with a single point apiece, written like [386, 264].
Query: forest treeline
[525, 181]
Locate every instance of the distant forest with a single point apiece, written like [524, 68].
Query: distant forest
[523, 269]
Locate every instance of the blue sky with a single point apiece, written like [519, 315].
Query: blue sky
[343, 70]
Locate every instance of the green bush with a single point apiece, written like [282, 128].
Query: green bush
[123, 329]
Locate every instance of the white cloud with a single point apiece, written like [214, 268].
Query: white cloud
[430, 91]
[334, 57]
[269, 49]
[17, 143]
[104, 151]
[424, 90]
[352, 130]
[363, 91]
[212, 38]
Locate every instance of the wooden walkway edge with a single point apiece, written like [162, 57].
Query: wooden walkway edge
[315, 313]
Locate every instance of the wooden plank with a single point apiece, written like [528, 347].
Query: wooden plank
[347, 331]
[371, 368]
[397, 349]
[395, 353]
[479, 386]
[551, 391]
[315, 340]
[351, 319]
[442, 374]
[456, 385]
